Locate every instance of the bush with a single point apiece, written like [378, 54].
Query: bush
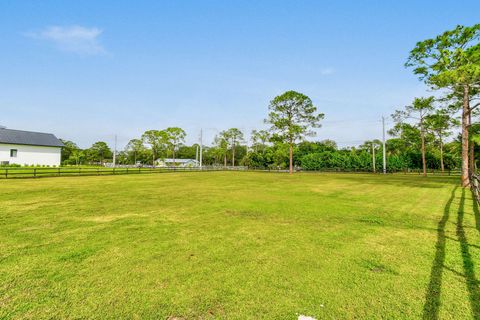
[11, 165]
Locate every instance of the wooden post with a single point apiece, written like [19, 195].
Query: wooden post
[34, 172]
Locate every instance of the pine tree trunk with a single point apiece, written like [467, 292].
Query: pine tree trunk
[472, 157]
[441, 156]
[233, 154]
[424, 163]
[373, 159]
[291, 158]
[225, 160]
[471, 146]
[465, 124]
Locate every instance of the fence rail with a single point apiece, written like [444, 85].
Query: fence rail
[475, 183]
[9, 173]
[454, 172]
[36, 172]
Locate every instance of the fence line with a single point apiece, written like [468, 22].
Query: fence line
[35, 172]
[449, 172]
[8, 173]
[475, 183]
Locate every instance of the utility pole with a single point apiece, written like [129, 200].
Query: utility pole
[115, 152]
[384, 149]
[196, 152]
[373, 157]
[201, 148]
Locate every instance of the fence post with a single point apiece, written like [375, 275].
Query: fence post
[34, 172]
[6, 173]
[59, 171]
[113, 170]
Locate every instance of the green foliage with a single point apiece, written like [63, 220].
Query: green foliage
[10, 165]
[99, 152]
[259, 139]
[157, 140]
[450, 59]
[292, 115]
[341, 160]
[233, 136]
[221, 143]
[135, 151]
[174, 136]
[68, 148]
[188, 152]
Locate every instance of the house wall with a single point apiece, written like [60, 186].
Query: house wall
[31, 155]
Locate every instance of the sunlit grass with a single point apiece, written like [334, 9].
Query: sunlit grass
[238, 246]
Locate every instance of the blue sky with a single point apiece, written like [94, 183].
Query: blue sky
[87, 70]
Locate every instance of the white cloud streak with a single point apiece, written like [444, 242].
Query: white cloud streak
[76, 39]
[327, 71]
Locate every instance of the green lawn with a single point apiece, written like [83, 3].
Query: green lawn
[239, 245]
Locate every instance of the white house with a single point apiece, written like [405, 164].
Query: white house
[29, 148]
[178, 162]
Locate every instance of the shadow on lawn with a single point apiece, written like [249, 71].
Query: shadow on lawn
[432, 301]
[468, 266]
[401, 180]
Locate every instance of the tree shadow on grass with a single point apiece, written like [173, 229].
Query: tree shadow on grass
[400, 180]
[432, 303]
[468, 266]
[432, 300]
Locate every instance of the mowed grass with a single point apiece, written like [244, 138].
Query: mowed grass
[239, 245]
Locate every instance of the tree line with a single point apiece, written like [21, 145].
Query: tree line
[426, 143]
[422, 135]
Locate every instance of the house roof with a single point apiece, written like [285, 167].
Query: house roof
[10, 136]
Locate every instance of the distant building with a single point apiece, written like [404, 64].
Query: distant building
[29, 148]
[178, 162]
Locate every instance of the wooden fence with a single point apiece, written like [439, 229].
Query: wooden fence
[475, 184]
[39, 172]
[35, 172]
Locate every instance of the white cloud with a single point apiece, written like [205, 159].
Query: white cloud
[327, 71]
[75, 39]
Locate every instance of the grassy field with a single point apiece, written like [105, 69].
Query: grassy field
[239, 245]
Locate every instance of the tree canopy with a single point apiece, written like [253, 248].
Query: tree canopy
[292, 116]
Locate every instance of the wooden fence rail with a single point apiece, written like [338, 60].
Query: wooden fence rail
[36, 172]
[10, 173]
[475, 183]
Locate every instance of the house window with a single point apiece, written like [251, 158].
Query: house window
[13, 153]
